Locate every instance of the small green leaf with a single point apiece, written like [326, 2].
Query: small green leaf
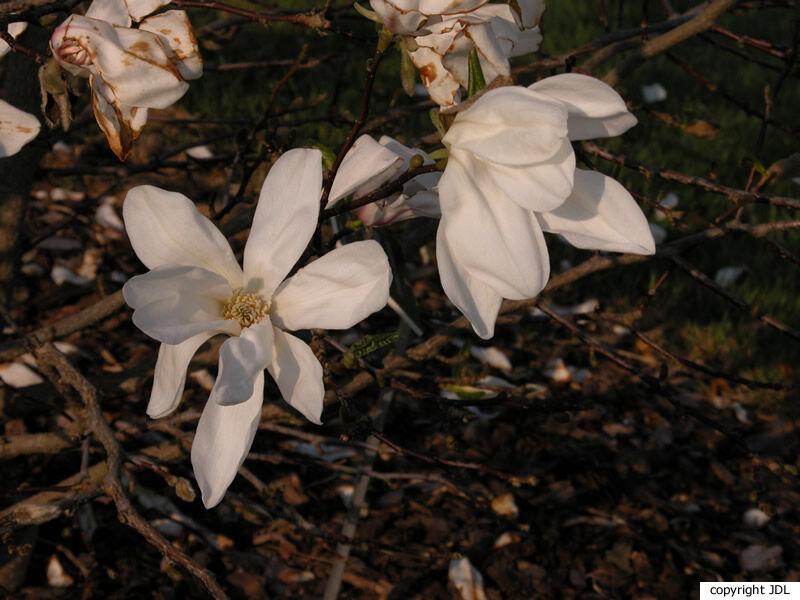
[328, 157]
[408, 72]
[434, 115]
[465, 392]
[367, 345]
[476, 81]
[439, 154]
[367, 13]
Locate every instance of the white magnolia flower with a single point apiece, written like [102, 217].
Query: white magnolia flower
[196, 289]
[408, 17]
[370, 164]
[17, 128]
[129, 70]
[511, 175]
[497, 31]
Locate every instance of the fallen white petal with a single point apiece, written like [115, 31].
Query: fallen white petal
[17, 128]
[19, 375]
[466, 579]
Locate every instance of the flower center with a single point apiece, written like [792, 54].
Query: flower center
[247, 309]
[72, 52]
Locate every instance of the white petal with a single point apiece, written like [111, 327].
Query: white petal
[600, 215]
[17, 128]
[495, 239]
[530, 12]
[14, 30]
[595, 109]
[241, 359]
[142, 8]
[166, 228]
[424, 203]
[285, 219]
[173, 303]
[298, 374]
[366, 166]
[114, 12]
[223, 439]
[176, 34]
[510, 126]
[170, 374]
[335, 291]
[479, 303]
[441, 84]
[121, 124]
[538, 187]
[408, 16]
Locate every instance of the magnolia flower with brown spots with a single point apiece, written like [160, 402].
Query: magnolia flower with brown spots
[196, 289]
[497, 32]
[129, 69]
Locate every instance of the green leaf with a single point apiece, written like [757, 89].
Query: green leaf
[439, 154]
[367, 345]
[367, 13]
[328, 157]
[476, 81]
[408, 72]
[434, 115]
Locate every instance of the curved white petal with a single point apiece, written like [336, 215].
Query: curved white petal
[173, 303]
[530, 12]
[176, 34]
[595, 109]
[479, 302]
[17, 128]
[142, 8]
[166, 228]
[600, 215]
[366, 166]
[441, 84]
[223, 439]
[335, 291]
[512, 126]
[298, 374]
[114, 12]
[169, 377]
[408, 16]
[121, 124]
[240, 360]
[493, 238]
[285, 219]
[121, 12]
[538, 187]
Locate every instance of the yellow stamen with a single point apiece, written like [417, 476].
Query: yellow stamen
[247, 309]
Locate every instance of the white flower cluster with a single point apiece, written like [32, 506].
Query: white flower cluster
[510, 176]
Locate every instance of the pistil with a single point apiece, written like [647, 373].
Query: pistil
[247, 309]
